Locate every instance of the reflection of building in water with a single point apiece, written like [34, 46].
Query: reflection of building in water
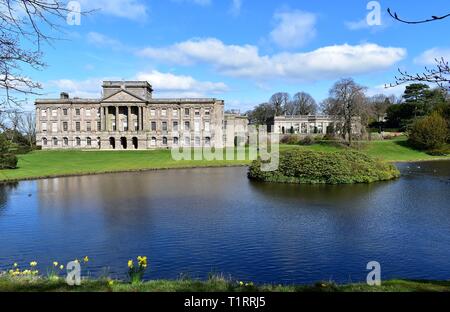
[312, 125]
[128, 117]
[5, 190]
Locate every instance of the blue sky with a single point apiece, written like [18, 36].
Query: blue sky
[240, 50]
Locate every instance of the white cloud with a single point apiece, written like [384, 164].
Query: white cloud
[429, 56]
[101, 40]
[165, 84]
[293, 29]
[130, 9]
[357, 25]
[169, 84]
[245, 61]
[235, 9]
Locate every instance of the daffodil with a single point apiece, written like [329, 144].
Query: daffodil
[55, 263]
[130, 263]
[110, 283]
[33, 263]
[15, 264]
[86, 259]
[61, 267]
[241, 283]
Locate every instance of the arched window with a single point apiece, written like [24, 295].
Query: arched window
[164, 141]
[44, 141]
[66, 141]
[153, 142]
[207, 141]
[88, 141]
[78, 141]
[55, 141]
[175, 140]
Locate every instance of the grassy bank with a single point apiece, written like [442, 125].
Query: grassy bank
[211, 285]
[42, 164]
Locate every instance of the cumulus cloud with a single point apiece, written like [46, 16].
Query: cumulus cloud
[329, 62]
[130, 9]
[169, 84]
[429, 57]
[165, 84]
[293, 29]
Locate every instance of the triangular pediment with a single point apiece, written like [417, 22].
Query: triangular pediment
[123, 96]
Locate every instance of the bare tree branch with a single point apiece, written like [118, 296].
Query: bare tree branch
[433, 18]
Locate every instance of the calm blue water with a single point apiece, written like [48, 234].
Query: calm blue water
[199, 221]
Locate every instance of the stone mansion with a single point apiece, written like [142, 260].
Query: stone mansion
[128, 117]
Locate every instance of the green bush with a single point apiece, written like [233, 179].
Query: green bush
[429, 133]
[341, 167]
[290, 139]
[8, 161]
[307, 141]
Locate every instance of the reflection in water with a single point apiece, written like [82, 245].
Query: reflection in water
[216, 220]
[5, 189]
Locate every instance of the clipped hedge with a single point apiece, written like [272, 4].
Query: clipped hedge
[310, 167]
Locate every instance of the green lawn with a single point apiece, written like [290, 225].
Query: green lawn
[212, 285]
[41, 164]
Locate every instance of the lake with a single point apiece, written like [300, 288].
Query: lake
[199, 221]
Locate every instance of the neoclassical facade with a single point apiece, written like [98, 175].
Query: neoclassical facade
[128, 117]
[311, 124]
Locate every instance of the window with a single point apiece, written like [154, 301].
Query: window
[187, 126]
[153, 112]
[174, 112]
[44, 127]
[197, 141]
[164, 112]
[186, 112]
[207, 113]
[77, 126]
[197, 112]
[44, 113]
[187, 141]
[65, 126]
[88, 112]
[55, 141]
[99, 111]
[207, 126]
[175, 126]
[153, 141]
[78, 141]
[77, 111]
[153, 125]
[197, 126]
[207, 141]
[175, 141]
[54, 113]
[88, 141]
[65, 111]
[114, 125]
[66, 141]
[164, 126]
[54, 127]
[88, 126]
[99, 126]
[164, 141]
[44, 141]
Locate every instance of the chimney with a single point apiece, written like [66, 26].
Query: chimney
[64, 95]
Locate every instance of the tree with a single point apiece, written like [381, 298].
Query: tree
[21, 35]
[263, 114]
[346, 102]
[429, 133]
[303, 104]
[279, 101]
[27, 126]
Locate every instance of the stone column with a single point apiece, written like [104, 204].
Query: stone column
[129, 118]
[139, 118]
[117, 118]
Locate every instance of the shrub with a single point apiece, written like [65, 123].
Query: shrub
[290, 139]
[429, 133]
[307, 141]
[8, 161]
[341, 167]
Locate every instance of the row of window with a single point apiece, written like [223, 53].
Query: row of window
[153, 111]
[153, 141]
[164, 126]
